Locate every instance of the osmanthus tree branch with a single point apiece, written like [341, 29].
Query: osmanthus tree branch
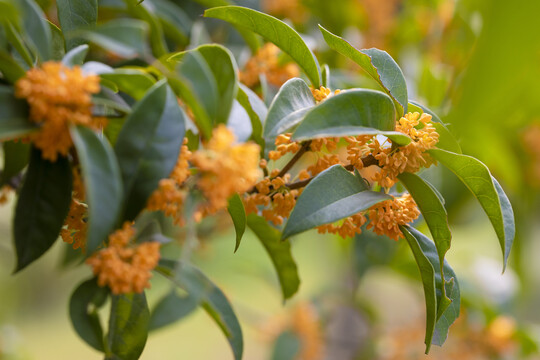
[368, 161]
[296, 157]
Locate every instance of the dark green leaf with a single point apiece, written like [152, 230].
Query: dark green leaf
[196, 85]
[171, 308]
[103, 184]
[14, 115]
[435, 216]
[288, 108]
[41, 208]
[212, 299]
[279, 252]
[16, 40]
[256, 110]
[451, 285]
[83, 312]
[37, 30]
[124, 37]
[133, 82]
[275, 31]
[176, 23]
[128, 325]
[10, 69]
[75, 56]
[145, 12]
[427, 273]
[16, 156]
[351, 112]
[148, 145]
[476, 176]
[238, 216]
[378, 64]
[322, 202]
[57, 42]
[75, 15]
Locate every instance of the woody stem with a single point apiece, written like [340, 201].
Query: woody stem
[296, 157]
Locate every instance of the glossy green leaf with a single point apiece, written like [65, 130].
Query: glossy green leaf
[75, 56]
[275, 31]
[124, 37]
[10, 69]
[288, 108]
[16, 157]
[451, 285]
[172, 308]
[256, 110]
[212, 299]
[74, 15]
[148, 145]
[447, 141]
[238, 216]
[434, 214]
[223, 67]
[279, 252]
[37, 30]
[197, 87]
[378, 64]
[84, 304]
[351, 112]
[476, 176]
[322, 202]
[14, 115]
[427, 273]
[42, 206]
[128, 326]
[145, 12]
[133, 82]
[103, 184]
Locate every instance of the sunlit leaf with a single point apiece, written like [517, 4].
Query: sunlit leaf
[133, 82]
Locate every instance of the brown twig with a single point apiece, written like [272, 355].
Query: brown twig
[296, 157]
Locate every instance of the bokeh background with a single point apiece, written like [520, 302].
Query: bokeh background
[474, 62]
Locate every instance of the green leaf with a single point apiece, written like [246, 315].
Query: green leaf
[451, 285]
[476, 176]
[124, 37]
[16, 157]
[148, 145]
[436, 218]
[256, 110]
[16, 40]
[447, 141]
[212, 299]
[14, 115]
[133, 82]
[279, 252]
[175, 22]
[325, 73]
[171, 308]
[351, 112]
[42, 206]
[238, 216]
[427, 273]
[378, 64]
[288, 108]
[103, 184]
[128, 325]
[10, 69]
[197, 87]
[224, 70]
[75, 15]
[37, 30]
[322, 202]
[84, 304]
[145, 12]
[75, 56]
[57, 43]
[287, 346]
[275, 31]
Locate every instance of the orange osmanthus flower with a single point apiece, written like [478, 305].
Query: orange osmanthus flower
[58, 96]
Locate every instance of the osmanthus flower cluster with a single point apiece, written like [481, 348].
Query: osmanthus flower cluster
[313, 159]
[58, 97]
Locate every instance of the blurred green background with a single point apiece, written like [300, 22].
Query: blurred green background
[474, 62]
